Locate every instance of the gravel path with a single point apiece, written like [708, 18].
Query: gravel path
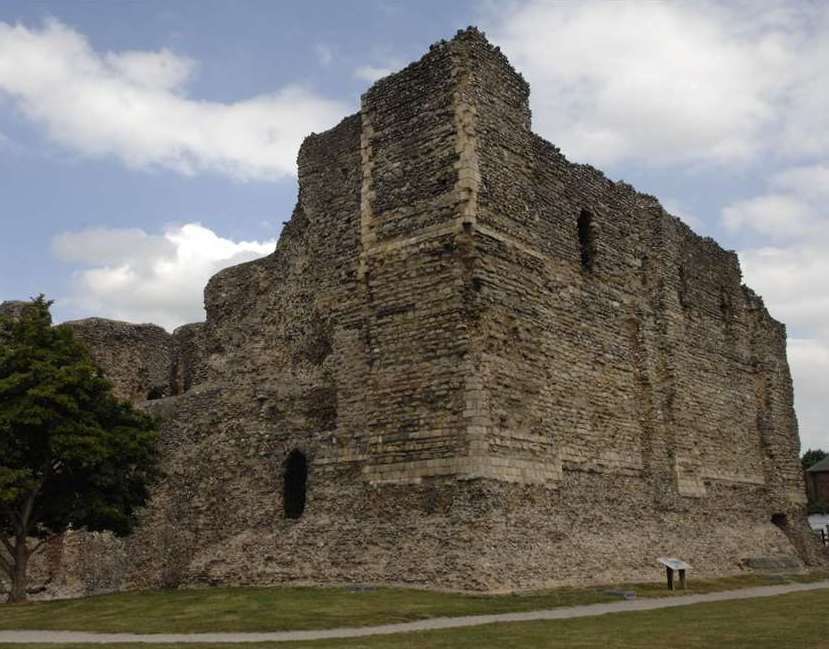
[408, 627]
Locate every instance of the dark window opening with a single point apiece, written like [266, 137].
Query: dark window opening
[155, 393]
[683, 287]
[296, 479]
[587, 244]
[781, 520]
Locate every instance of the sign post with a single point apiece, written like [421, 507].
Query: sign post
[671, 564]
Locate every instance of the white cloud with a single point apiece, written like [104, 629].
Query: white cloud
[780, 216]
[810, 181]
[139, 277]
[793, 283]
[371, 73]
[133, 106]
[809, 361]
[806, 127]
[672, 82]
[153, 70]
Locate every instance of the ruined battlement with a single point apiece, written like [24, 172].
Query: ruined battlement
[481, 353]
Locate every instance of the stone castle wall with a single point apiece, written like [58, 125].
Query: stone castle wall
[504, 370]
[135, 357]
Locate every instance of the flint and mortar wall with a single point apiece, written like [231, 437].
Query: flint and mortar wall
[650, 367]
[134, 357]
[654, 361]
[412, 414]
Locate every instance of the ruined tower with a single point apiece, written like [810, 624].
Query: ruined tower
[472, 364]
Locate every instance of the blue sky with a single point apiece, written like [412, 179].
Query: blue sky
[145, 145]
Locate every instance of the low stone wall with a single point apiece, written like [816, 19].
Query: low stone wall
[135, 357]
[76, 564]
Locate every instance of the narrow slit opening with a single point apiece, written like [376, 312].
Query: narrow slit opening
[587, 244]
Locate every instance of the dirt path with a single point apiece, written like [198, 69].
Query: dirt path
[408, 627]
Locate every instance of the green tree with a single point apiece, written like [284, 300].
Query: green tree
[70, 453]
[811, 457]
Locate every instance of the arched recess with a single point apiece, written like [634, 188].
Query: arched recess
[295, 484]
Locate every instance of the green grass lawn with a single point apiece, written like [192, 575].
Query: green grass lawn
[278, 609]
[795, 621]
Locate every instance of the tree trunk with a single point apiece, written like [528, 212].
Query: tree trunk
[19, 576]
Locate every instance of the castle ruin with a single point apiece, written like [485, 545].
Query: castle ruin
[469, 364]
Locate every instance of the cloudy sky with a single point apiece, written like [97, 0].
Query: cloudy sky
[144, 146]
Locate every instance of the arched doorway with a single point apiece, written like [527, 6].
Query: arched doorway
[296, 479]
